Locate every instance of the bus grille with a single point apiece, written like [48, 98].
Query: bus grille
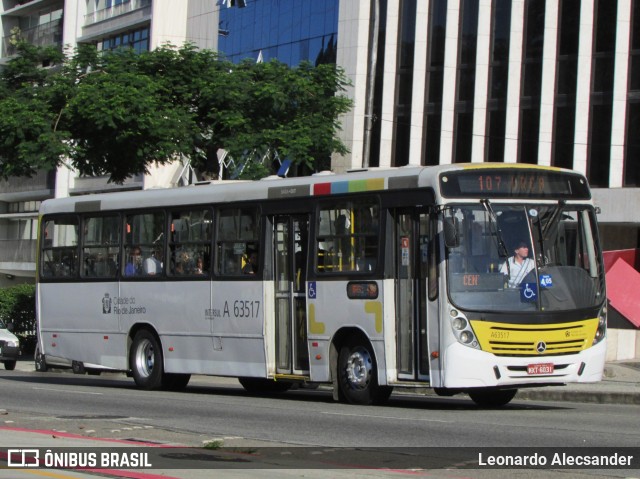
[535, 340]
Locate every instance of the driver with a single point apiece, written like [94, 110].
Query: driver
[518, 265]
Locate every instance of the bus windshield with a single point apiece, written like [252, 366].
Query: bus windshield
[523, 257]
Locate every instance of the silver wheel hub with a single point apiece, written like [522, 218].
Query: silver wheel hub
[145, 358]
[359, 366]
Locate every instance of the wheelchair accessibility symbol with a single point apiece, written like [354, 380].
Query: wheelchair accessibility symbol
[528, 292]
[311, 289]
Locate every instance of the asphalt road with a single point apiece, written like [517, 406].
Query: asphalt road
[219, 409]
[88, 410]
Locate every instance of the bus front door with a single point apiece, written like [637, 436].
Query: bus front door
[290, 260]
[410, 238]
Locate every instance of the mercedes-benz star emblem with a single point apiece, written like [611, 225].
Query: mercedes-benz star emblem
[541, 347]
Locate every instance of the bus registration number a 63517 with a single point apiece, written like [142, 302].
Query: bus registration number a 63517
[542, 368]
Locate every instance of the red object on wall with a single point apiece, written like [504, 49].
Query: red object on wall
[623, 285]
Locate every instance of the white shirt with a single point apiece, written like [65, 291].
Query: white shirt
[516, 271]
[152, 266]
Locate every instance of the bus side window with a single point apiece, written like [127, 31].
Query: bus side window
[59, 257]
[100, 238]
[144, 241]
[237, 243]
[347, 238]
[190, 242]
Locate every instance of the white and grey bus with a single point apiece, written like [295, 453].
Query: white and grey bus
[366, 281]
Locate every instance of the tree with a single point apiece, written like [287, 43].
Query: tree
[116, 113]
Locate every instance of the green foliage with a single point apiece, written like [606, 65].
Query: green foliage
[116, 113]
[18, 306]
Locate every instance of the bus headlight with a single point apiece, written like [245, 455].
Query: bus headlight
[466, 337]
[459, 323]
[462, 329]
[601, 332]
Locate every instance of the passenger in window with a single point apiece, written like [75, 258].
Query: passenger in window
[199, 269]
[183, 264]
[153, 264]
[134, 264]
[251, 265]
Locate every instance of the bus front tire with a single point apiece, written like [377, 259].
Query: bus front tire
[358, 376]
[492, 397]
[9, 365]
[145, 361]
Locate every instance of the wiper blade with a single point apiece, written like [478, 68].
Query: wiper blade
[554, 216]
[497, 234]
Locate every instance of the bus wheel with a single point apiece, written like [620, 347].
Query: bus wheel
[358, 377]
[40, 363]
[9, 365]
[145, 360]
[492, 397]
[264, 386]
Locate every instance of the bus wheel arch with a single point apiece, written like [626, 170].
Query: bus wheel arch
[355, 369]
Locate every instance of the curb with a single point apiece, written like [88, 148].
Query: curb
[598, 397]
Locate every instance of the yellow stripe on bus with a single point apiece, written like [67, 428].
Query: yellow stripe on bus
[535, 339]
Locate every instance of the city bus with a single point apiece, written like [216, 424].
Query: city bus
[364, 281]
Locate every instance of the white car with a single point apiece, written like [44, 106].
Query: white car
[9, 347]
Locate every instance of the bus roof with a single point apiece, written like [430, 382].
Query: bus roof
[320, 184]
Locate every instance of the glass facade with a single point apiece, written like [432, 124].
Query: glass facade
[404, 82]
[467, 47]
[498, 80]
[434, 81]
[632, 139]
[602, 65]
[136, 39]
[566, 84]
[531, 81]
[288, 30]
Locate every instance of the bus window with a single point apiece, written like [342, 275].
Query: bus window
[348, 237]
[190, 243]
[238, 247]
[100, 246]
[60, 248]
[144, 244]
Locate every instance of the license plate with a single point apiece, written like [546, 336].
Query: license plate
[544, 368]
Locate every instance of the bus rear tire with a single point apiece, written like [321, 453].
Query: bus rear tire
[264, 386]
[492, 397]
[145, 361]
[358, 376]
[40, 362]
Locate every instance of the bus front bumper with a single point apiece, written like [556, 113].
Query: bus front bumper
[465, 367]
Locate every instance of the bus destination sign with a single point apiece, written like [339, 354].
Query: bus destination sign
[522, 183]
